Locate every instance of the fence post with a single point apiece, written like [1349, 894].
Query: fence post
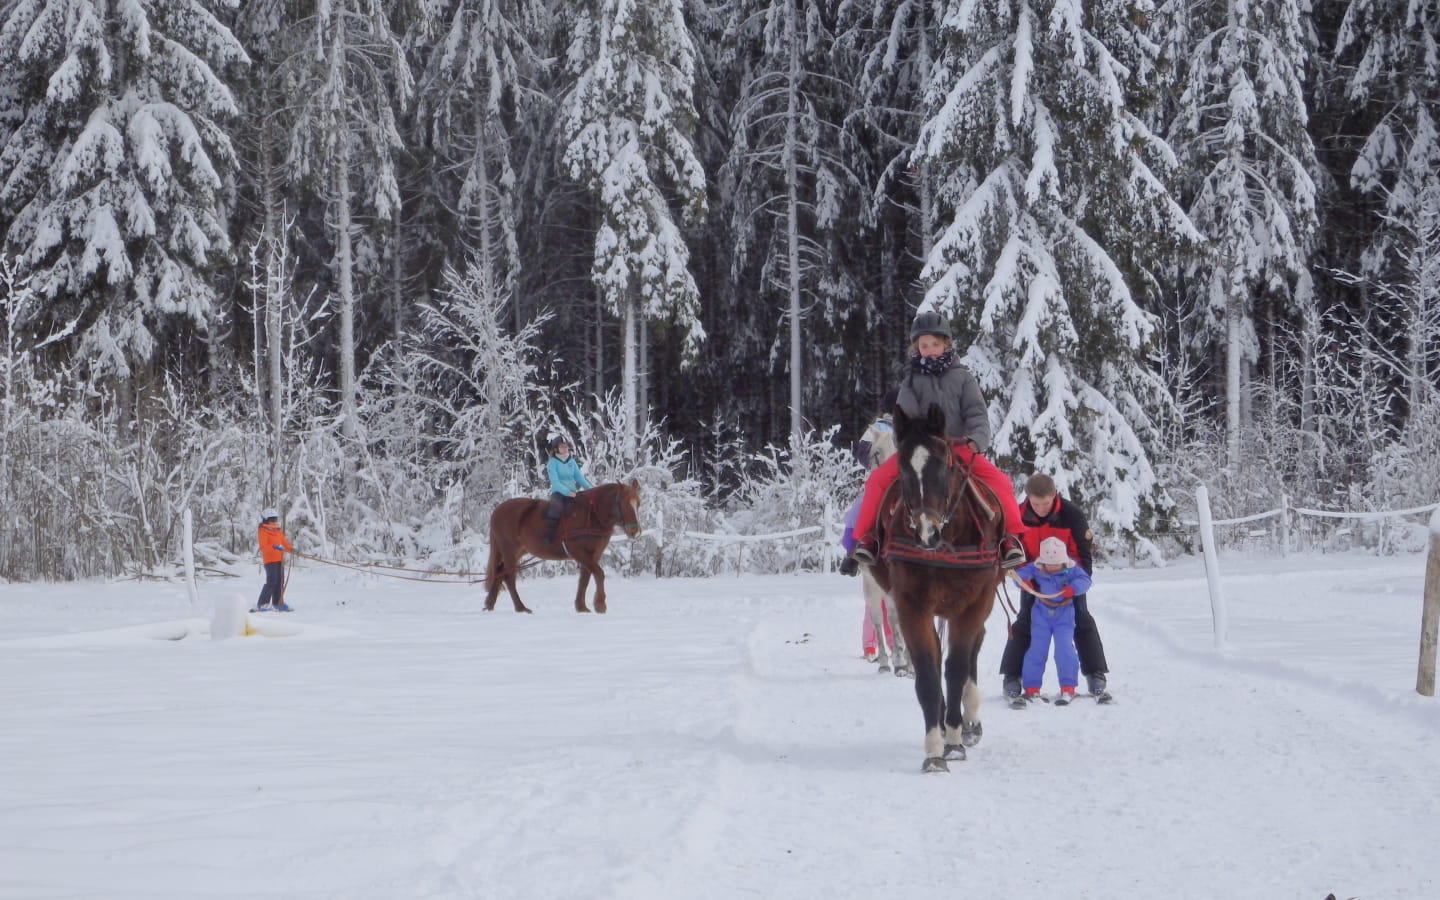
[189, 553]
[1212, 566]
[1284, 524]
[1430, 615]
[827, 555]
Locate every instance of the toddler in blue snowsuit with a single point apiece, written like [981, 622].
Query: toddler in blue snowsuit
[1053, 572]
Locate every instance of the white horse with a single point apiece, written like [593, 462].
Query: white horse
[893, 658]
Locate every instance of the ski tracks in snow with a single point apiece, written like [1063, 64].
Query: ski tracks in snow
[1202, 773]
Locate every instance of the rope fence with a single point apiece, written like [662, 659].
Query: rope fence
[1425, 680]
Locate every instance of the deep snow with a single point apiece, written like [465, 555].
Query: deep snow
[709, 738]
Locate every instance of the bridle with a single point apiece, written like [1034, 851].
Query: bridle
[957, 472]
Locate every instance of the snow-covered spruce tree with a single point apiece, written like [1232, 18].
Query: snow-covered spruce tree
[1057, 216]
[1390, 52]
[893, 44]
[346, 75]
[114, 179]
[625, 124]
[790, 188]
[1240, 131]
[476, 86]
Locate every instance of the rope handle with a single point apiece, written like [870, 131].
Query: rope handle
[1027, 587]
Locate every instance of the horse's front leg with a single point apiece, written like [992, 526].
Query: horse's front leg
[599, 574]
[925, 656]
[515, 594]
[962, 719]
[584, 583]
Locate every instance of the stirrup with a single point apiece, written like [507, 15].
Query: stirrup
[1013, 556]
[865, 553]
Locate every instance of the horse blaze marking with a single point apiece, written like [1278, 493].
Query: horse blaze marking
[918, 459]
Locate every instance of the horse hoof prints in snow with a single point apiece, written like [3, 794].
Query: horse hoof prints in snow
[517, 528]
[940, 558]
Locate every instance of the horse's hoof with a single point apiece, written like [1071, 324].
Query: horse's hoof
[600, 608]
[884, 669]
[525, 609]
[954, 751]
[582, 609]
[904, 672]
[970, 734]
[934, 764]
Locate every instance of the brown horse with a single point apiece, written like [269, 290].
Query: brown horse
[517, 527]
[940, 558]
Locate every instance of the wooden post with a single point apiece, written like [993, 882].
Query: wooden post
[1212, 566]
[1430, 616]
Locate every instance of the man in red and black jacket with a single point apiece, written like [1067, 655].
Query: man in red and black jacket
[1046, 514]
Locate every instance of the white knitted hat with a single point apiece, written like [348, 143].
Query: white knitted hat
[1052, 553]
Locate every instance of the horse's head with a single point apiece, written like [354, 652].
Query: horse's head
[927, 470]
[882, 449]
[627, 508]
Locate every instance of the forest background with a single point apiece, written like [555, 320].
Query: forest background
[357, 259]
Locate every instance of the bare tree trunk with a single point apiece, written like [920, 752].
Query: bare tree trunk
[345, 263]
[792, 223]
[629, 377]
[1233, 353]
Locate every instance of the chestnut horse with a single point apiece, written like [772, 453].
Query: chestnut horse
[517, 527]
[940, 536]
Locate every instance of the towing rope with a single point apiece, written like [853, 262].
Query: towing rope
[369, 568]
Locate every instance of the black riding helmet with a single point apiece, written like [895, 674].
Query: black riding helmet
[931, 322]
[556, 441]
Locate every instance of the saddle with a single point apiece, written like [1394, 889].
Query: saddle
[898, 541]
[580, 520]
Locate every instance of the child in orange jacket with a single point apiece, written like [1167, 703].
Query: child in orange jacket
[272, 553]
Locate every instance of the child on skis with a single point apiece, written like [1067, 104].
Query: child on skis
[566, 481]
[1054, 579]
[273, 547]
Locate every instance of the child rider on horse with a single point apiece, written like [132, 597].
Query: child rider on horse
[936, 377]
[565, 482]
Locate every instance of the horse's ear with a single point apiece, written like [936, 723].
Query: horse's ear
[635, 485]
[900, 421]
[935, 419]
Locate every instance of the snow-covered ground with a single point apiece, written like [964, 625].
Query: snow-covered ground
[716, 738]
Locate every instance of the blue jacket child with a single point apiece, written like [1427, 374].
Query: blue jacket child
[1053, 572]
[566, 481]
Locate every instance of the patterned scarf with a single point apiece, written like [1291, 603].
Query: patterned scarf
[932, 365]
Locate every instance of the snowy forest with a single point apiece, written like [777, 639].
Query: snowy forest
[357, 259]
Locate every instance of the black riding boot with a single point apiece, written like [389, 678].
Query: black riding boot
[550, 526]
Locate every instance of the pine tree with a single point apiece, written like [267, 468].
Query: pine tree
[1391, 54]
[790, 190]
[625, 124]
[116, 172]
[476, 87]
[347, 77]
[1240, 133]
[1057, 216]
